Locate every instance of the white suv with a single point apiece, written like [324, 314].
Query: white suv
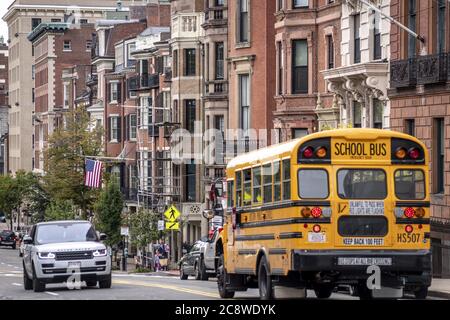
[61, 251]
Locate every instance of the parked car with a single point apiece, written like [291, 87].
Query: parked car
[21, 245]
[56, 251]
[200, 261]
[8, 239]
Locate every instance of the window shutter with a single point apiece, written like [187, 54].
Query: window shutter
[119, 92]
[119, 129]
[108, 129]
[108, 92]
[126, 127]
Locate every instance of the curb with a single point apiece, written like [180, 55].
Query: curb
[439, 294]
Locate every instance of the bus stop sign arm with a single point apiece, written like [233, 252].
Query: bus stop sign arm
[415, 35]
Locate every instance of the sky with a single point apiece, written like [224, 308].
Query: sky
[4, 4]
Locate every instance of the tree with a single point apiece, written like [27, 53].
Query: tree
[65, 160]
[15, 191]
[143, 228]
[60, 210]
[108, 212]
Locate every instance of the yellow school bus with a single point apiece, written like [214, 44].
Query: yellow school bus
[317, 212]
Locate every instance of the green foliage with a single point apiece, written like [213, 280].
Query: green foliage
[60, 210]
[108, 212]
[64, 160]
[143, 228]
[22, 189]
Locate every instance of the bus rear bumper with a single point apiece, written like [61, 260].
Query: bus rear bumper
[414, 266]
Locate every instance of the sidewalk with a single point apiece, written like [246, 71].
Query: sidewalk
[440, 288]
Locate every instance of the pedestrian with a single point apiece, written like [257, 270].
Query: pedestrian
[157, 264]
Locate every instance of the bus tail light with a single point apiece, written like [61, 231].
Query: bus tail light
[400, 153]
[316, 212]
[306, 212]
[409, 229]
[308, 152]
[321, 152]
[317, 228]
[420, 212]
[409, 212]
[414, 153]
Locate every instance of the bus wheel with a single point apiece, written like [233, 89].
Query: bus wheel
[421, 293]
[264, 280]
[323, 291]
[364, 293]
[221, 281]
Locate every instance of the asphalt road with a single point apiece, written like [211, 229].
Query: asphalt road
[125, 287]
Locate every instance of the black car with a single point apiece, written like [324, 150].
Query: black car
[189, 263]
[8, 239]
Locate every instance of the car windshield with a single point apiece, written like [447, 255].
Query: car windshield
[65, 232]
[5, 233]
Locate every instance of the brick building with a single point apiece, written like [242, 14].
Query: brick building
[187, 105]
[3, 107]
[61, 56]
[307, 41]
[251, 56]
[420, 103]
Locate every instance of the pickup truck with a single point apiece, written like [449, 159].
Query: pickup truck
[200, 261]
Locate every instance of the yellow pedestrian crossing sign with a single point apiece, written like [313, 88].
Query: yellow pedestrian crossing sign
[172, 225]
[172, 214]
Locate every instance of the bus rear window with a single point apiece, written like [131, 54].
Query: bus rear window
[362, 184]
[409, 184]
[313, 184]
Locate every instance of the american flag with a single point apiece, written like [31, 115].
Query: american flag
[93, 173]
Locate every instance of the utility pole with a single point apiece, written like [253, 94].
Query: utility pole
[373, 7]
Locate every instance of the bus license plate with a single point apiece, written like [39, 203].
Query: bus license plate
[316, 237]
[361, 261]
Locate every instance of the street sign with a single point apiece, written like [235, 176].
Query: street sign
[172, 225]
[172, 214]
[124, 231]
[160, 225]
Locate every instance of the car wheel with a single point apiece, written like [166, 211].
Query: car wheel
[106, 283]
[323, 291]
[421, 293]
[202, 270]
[38, 286]
[221, 280]
[197, 271]
[265, 280]
[27, 283]
[91, 283]
[183, 276]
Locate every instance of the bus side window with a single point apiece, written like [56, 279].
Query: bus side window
[238, 189]
[267, 182]
[277, 181]
[230, 194]
[286, 179]
[256, 185]
[247, 201]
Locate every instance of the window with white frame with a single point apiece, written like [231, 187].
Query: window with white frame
[300, 4]
[132, 126]
[377, 113]
[130, 59]
[243, 21]
[114, 129]
[67, 46]
[88, 45]
[66, 91]
[244, 101]
[145, 115]
[114, 92]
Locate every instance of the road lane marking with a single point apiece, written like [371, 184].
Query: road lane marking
[51, 293]
[169, 287]
[16, 284]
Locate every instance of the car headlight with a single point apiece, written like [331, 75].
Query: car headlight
[46, 255]
[100, 253]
